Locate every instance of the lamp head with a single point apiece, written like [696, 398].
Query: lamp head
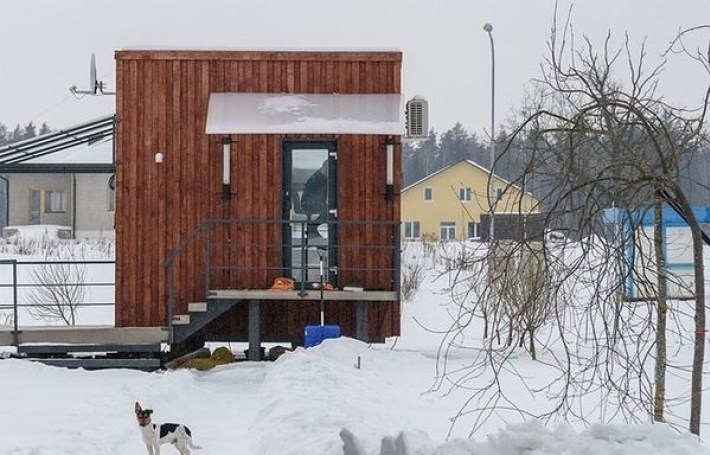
[488, 28]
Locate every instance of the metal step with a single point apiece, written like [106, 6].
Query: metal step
[205, 312]
[197, 307]
[181, 319]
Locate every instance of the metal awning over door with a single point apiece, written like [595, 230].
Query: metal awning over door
[278, 113]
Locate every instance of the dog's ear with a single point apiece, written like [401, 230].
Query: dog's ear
[148, 411]
[137, 408]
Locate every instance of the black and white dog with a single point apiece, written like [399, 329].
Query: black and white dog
[155, 435]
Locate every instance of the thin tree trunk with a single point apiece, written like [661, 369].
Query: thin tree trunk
[696, 383]
[659, 397]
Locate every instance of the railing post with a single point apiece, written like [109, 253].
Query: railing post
[304, 257]
[397, 256]
[208, 262]
[15, 331]
[171, 299]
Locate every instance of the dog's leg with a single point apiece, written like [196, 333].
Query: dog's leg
[150, 449]
[183, 441]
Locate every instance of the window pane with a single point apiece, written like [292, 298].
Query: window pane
[473, 229]
[35, 206]
[448, 230]
[48, 201]
[411, 229]
[428, 194]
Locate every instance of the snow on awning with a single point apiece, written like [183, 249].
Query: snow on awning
[278, 113]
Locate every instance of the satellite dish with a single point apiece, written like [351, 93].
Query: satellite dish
[93, 83]
[95, 86]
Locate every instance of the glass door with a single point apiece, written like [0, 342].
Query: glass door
[309, 209]
[36, 208]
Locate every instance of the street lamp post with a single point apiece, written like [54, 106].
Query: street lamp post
[491, 192]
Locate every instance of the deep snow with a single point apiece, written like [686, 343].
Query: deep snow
[300, 403]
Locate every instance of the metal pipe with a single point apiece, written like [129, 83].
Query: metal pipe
[15, 333]
[389, 189]
[171, 300]
[7, 201]
[491, 193]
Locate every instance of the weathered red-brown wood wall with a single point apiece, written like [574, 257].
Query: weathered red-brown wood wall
[161, 104]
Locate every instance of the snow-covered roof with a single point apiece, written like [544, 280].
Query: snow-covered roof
[304, 113]
[87, 143]
[96, 152]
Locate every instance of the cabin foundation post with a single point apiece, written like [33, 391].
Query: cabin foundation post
[254, 352]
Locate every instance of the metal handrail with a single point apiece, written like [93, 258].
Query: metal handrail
[16, 285]
[205, 228]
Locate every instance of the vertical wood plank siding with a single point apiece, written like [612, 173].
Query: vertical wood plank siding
[161, 104]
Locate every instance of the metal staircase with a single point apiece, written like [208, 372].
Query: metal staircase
[199, 314]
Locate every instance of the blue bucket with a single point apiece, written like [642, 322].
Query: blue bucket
[313, 335]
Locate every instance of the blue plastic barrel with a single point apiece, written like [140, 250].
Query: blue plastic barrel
[313, 335]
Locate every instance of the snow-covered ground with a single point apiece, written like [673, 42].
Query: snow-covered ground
[300, 403]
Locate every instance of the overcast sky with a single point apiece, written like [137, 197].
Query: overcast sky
[45, 45]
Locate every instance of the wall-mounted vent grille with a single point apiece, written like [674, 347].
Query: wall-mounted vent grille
[417, 116]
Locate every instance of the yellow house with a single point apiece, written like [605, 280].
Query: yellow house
[447, 205]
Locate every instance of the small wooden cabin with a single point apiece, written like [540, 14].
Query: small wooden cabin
[215, 151]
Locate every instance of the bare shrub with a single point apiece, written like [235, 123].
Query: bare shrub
[58, 293]
[6, 319]
[412, 274]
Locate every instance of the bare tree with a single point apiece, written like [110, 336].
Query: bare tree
[600, 151]
[58, 292]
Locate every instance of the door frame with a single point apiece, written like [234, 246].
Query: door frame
[287, 146]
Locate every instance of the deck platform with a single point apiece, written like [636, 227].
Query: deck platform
[361, 300]
[308, 294]
[85, 335]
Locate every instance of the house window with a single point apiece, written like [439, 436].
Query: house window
[45, 201]
[448, 230]
[411, 230]
[474, 230]
[53, 201]
[465, 194]
[428, 194]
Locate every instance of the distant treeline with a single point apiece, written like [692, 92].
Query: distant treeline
[423, 158]
[20, 133]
